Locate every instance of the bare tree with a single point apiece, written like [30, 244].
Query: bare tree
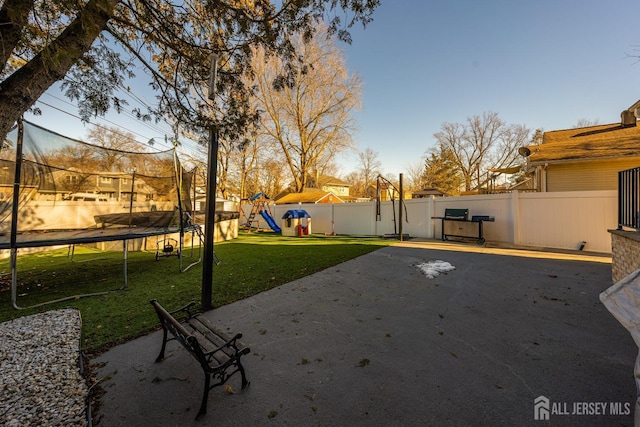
[118, 143]
[415, 172]
[363, 179]
[247, 161]
[225, 151]
[357, 185]
[481, 143]
[268, 177]
[584, 123]
[306, 104]
[370, 166]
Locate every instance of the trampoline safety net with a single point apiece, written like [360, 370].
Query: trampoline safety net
[70, 184]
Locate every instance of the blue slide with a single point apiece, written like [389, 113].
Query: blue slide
[270, 221]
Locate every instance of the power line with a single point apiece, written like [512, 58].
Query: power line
[160, 142]
[131, 116]
[186, 143]
[142, 102]
[124, 91]
[93, 123]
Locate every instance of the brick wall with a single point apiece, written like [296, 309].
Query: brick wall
[625, 253]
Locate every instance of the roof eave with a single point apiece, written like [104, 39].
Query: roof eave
[579, 160]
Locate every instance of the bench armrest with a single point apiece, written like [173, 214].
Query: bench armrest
[238, 349]
[186, 309]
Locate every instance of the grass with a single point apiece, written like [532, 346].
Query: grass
[251, 264]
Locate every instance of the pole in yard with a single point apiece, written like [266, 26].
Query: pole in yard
[13, 236]
[210, 210]
[400, 209]
[133, 187]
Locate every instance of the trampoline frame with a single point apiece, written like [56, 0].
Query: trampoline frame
[34, 239]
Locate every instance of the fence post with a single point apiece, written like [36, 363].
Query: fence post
[375, 220]
[515, 217]
[431, 209]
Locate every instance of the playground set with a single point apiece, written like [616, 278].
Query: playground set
[295, 222]
[260, 206]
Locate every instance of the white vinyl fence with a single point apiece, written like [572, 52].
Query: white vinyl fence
[561, 220]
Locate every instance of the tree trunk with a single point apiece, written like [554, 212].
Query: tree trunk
[13, 16]
[23, 88]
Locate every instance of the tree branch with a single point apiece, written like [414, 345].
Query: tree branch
[13, 17]
[20, 90]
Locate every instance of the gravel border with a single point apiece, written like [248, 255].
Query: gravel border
[40, 371]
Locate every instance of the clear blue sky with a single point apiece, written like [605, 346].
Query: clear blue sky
[544, 63]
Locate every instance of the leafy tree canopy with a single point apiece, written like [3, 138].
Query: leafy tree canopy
[442, 172]
[94, 46]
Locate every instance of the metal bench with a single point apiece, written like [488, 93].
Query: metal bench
[456, 223]
[218, 354]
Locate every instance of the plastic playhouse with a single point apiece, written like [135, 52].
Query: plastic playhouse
[296, 222]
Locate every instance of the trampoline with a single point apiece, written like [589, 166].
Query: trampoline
[138, 193]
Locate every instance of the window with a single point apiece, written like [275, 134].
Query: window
[71, 179]
[106, 180]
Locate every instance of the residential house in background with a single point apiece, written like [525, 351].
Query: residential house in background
[385, 191]
[112, 185]
[427, 192]
[587, 158]
[309, 195]
[330, 184]
[321, 189]
[75, 185]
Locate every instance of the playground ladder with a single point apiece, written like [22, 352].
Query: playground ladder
[252, 215]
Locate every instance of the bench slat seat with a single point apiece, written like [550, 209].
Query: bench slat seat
[211, 339]
[217, 352]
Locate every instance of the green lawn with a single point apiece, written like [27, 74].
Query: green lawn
[250, 264]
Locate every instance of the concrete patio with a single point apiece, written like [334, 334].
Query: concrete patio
[373, 341]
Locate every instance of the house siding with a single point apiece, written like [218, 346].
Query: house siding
[590, 175]
[337, 190]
